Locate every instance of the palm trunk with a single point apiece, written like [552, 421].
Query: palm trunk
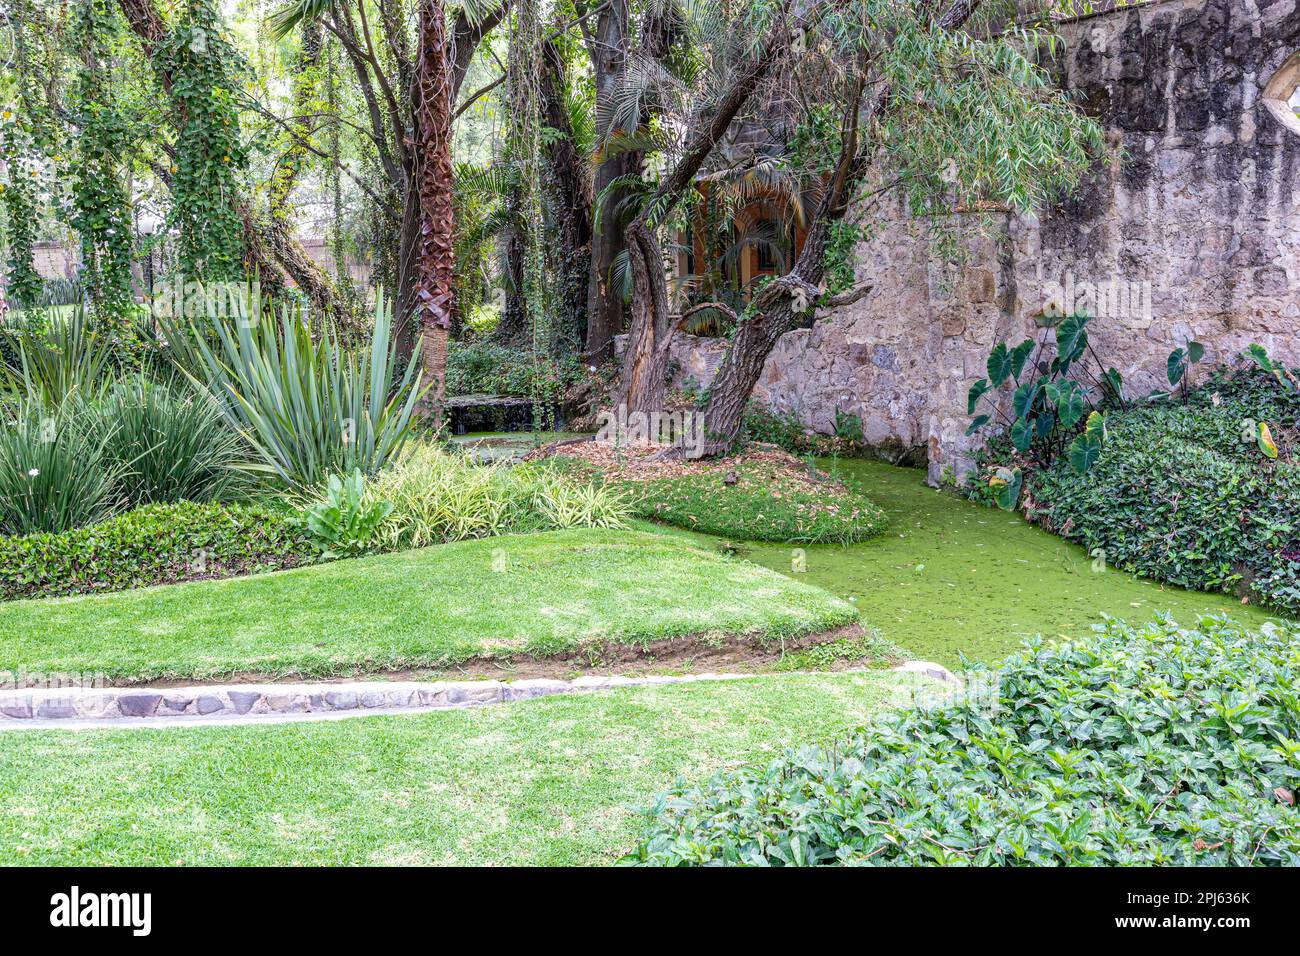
[431, 113]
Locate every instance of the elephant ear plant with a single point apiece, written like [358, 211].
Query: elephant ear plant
[1052, 409]
[309, 408]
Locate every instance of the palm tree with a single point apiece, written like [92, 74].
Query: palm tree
[431, 118]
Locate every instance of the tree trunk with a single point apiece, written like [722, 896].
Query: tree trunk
[431, 113]
[645, 363]
[608, 49]
[569, 186]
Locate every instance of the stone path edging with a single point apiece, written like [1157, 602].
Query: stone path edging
[248, 703]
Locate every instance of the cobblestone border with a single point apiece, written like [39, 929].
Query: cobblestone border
[25, 706]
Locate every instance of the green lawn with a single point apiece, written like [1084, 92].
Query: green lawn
[545, 781]
[551, 593]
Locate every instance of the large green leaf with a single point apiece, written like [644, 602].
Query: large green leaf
[999, 364]
[1071, 338]
[1176, 366]
[1022, 434]
[1084, 452]
[977, 391]
[978, 422]
[1018, 356]
[1006, 484]
[1071, 405]
[1022, 401]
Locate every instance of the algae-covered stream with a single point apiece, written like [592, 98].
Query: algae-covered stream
[952, 576]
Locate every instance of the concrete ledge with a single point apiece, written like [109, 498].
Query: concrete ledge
[26, 706]
[89, 707]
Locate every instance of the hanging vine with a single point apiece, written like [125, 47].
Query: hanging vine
[209, 155]
[525, 145]
[20, 173]
[101, 211]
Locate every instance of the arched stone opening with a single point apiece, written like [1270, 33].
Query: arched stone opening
[1282, 94]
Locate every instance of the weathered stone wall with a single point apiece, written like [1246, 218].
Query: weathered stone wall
[1194, 232]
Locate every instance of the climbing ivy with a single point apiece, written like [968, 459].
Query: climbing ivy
[525, 144]
[100, 204]
[205, 69]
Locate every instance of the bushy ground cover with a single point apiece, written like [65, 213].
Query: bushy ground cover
[156, 544]
[1186, 492]
[1143, 745]
[570, 595]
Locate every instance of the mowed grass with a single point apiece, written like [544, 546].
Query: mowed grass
[542, 594]
[548, 781]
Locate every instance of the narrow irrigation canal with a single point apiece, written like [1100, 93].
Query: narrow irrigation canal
[951, 576]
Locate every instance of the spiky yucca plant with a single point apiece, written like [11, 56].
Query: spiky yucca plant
[309, 408]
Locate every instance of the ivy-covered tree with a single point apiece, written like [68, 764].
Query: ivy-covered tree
[101, 211]
[209, 155]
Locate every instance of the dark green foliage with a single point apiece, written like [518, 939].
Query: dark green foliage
[169, 442]
[1048, 401]
[1183, 492]
[158, 544]
[54, 474]
[1145, 746]
[481, 367]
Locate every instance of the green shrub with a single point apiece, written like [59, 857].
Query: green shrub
[1151, 745]
[437, 497]
[309, 408]
[54, 475]
[763, 504]
[481, 367]
[1183, 493]
[169, 442]
[157, 544]
[785, 431]
[342, 524]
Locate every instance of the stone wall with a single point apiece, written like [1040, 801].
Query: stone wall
[1193, 232]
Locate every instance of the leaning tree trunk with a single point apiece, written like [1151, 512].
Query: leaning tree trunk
[431, 110]
[645, 362]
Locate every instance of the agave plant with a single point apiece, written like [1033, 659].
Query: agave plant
[309, 408]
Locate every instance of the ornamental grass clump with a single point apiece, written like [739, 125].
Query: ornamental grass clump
[54, 473]
[437, 497]
[1144, 746]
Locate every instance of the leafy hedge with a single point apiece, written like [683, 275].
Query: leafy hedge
[1183, 492]
[1152, 745]
[480, 367]
[158, 544]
